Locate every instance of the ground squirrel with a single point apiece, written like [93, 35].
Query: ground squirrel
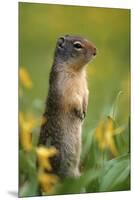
[66, 103]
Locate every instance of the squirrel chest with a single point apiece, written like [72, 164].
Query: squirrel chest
[73, 91]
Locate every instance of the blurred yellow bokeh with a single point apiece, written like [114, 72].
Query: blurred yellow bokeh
[25, 78]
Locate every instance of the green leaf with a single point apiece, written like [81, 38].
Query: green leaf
[87, 144]
[27, 166]
[29, 189]
[114, 109]
[76, 185]
[115, 173]
[27, 163]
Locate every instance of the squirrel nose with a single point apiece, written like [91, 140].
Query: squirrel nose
[94, 51]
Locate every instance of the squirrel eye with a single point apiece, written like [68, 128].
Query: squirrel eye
[77, 45]
[61, 42]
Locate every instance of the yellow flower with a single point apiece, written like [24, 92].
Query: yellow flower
[104, 135]
[47, 182]
[25, 78]
[26, 126]
[43, 155]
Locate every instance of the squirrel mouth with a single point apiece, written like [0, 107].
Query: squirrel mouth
[94, 52]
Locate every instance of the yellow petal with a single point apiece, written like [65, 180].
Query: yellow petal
[100, 135]
[47, 181]
[26, 125]
[43, 152]
[43, 155]
[25, 78]
[112, 146]
[26, 140]
[104, 135]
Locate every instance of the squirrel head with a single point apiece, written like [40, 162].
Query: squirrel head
[74, 51]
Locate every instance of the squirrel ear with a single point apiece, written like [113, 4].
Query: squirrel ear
[60, 42]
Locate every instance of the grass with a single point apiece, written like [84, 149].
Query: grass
[105, 158]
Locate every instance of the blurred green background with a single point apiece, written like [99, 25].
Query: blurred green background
[109, 29]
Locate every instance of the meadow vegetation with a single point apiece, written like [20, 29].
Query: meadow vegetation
[105, 157]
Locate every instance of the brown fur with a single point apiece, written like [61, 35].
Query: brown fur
[67, 105]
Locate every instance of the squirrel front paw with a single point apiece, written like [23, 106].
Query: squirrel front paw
[80, 114]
